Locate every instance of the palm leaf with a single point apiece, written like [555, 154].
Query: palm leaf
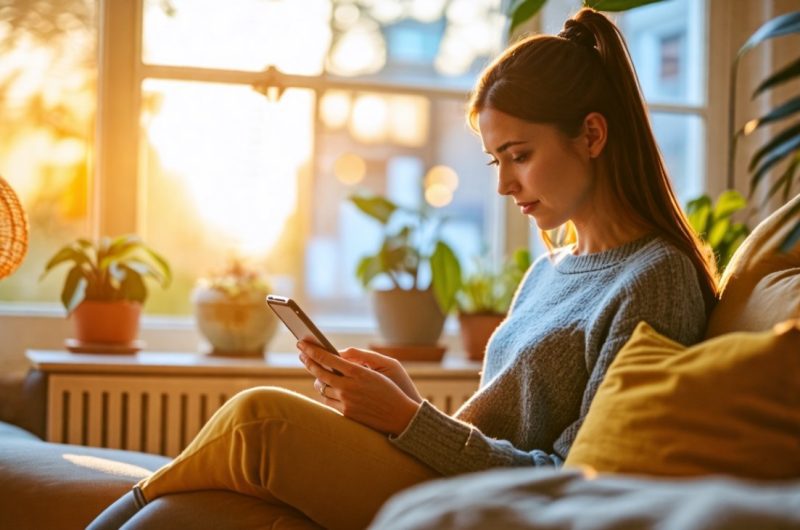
[784, 110]
[792, 239]
[783, 137]
[784, 181]
[777, 155]
[776, 27]
[787, 73]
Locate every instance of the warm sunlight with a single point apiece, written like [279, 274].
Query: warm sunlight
[238, 160]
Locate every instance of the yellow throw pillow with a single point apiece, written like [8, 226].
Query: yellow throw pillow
[761, 285]
[729, 405]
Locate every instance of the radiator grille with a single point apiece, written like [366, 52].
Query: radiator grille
[161, 415]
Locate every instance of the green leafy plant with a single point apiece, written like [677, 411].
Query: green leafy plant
[411, 241]
[783, 147]
[714, 223]
[490, 290]
[108, 270]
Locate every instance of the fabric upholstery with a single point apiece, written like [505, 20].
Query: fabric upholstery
[566, 500]
[213, 510]
[44, 485]
[728, 405]
[761, 285]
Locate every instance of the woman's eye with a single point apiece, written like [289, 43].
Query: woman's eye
[520, 158]
[492, 162]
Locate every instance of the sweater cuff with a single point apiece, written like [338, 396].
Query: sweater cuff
[433, 437]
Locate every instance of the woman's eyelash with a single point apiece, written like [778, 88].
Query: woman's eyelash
[492, 162]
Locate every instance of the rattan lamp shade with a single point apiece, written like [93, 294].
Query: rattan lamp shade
[13, 230]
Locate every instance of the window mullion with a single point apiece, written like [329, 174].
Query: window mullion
[116, 191]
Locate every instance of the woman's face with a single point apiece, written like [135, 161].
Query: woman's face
[548, 174]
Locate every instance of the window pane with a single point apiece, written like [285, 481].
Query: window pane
[681, 139]
[419, 40]
[238, 34]
[667, 41]
[221, 168]
[668, 44]
[364, 151]
[47, 101]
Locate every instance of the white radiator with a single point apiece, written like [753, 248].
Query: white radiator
[162, 414]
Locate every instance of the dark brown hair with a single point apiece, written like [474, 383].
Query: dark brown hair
[558, 80]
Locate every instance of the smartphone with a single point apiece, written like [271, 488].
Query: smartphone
[298, 322]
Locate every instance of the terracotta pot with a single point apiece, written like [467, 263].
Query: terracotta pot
[476, 329]
[241, 325]
[98, 322]
[408, 317]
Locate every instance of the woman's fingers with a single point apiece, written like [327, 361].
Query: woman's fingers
[319, 371]
[326, 358]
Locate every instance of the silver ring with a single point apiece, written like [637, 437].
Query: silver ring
[323, 389]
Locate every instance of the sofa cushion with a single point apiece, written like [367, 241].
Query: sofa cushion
[46, 485]
[12, 432]
[565, 500]
[761, 285]
[728, 405]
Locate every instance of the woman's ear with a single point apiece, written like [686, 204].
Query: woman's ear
[595, 131]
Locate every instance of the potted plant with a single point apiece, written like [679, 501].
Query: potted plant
[105, 288]
[484, 299]
[420, 271]
[231, 313]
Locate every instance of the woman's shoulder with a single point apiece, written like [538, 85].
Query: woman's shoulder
[660, 262]
[658, 253]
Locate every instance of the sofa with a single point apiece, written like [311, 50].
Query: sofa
[710, 440]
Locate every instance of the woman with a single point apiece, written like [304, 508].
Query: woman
[564, 122]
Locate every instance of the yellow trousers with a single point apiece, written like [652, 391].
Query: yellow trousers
[290, 450]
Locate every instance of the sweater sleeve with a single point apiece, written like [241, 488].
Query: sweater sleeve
[451, 446]
[677, 312]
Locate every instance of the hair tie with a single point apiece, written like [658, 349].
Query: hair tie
[578, 33]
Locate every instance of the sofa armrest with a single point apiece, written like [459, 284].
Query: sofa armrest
[23, 398]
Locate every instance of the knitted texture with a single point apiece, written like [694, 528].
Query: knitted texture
[543, 365]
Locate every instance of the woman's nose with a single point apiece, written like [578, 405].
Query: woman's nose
[506, 182]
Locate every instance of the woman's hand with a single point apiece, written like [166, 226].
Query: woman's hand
[388, 366]
[362, 393]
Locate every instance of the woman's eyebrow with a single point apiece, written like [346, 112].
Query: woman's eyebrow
[506, 146]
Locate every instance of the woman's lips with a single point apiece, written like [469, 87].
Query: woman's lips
[527, 207]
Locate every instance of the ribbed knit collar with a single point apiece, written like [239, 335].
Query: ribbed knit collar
[568, 263]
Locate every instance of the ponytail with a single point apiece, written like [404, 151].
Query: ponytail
[560, 79]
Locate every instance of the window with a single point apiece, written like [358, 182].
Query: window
[47, 103]
[259, 120]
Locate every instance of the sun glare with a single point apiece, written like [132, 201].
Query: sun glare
[238, 159]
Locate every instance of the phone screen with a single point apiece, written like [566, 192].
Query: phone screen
[298, 322]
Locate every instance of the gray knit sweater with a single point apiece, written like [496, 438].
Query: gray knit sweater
[543, 365]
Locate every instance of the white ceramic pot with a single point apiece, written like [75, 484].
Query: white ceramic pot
[241, 325]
